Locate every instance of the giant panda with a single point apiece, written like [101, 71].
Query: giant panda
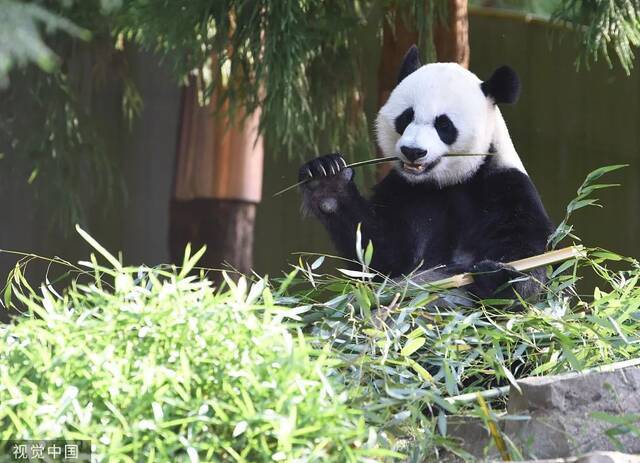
[462, 214]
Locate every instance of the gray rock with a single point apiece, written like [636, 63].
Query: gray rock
[607, 457]
[473, 437]
[561, 410]
[595, 457]
[555, 418]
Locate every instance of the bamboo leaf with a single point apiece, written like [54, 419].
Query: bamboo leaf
[98, 247]
[368, 254]
[596, 174]
[356, 273]
[317, 263]
[411, 346]
[424, 374]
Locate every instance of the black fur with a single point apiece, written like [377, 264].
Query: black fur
[503, 86]
[494, 217]
[410, 63]
[446, 130]
[403, 120]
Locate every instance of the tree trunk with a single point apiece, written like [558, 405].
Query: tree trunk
[451, 42]
[217, 184]
[224, 225]
[452, 39]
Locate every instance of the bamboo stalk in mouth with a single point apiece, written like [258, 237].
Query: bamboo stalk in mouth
[374, 161]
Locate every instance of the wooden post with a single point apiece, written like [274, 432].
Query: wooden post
[217, 184]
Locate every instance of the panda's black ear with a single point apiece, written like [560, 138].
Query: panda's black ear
[503, 86]
[410, 63]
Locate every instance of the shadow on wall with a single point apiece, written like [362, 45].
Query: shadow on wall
[139, 225]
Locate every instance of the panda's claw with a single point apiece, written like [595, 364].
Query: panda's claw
[330, 166]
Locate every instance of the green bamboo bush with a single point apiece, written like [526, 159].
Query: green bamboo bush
[156, 364]
[159, 366]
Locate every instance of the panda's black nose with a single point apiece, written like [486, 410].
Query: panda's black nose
[413, 153]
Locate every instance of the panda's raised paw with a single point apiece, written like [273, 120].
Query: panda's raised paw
[325, 167]
[329, 184]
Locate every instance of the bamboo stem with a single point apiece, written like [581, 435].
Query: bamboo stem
[473, 396]
[367, 162]
[521, 265]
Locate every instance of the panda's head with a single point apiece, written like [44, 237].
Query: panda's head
[439, 109]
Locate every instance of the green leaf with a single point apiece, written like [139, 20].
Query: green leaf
[570, 356]
[596, 174]
[368, 254]
[98, 247]
[362, 294]
[449, 380]
[586, 191]
[7, 295]
[510, 377]
[287, 281]
[442, 423]
[563, 267]
[618, 420]
[424, 374]
[606, 255]
[190, 263]
[411, 346]
[575, 205]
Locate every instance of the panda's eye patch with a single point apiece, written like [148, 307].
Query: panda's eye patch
[445, 128]
[403, 120]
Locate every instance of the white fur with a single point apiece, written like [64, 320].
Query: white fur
[445, 88]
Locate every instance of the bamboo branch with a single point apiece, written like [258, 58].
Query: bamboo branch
[374, 161]
[473, 396]
[521, 265]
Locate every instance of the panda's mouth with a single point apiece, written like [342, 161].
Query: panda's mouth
[417, 169]
[414, 168]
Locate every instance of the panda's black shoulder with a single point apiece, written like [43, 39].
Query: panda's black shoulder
[493, 177]
[510, 189]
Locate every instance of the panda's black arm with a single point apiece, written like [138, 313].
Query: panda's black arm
[333, 198]
[351, 210]
[516, 226]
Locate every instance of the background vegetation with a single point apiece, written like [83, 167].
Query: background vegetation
[300, 62]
